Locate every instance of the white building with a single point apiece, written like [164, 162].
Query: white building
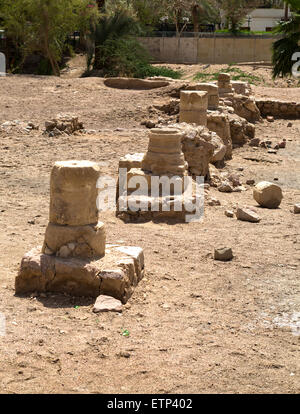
[264, 19]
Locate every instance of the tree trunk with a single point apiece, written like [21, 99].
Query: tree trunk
[195, 17]
[286, 12]
[47, 51]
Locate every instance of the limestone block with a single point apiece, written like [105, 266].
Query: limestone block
[164, 155]
[106, 303]
[198, 147]
[165, 140]
[137, 178]
[212, 92]
[247, 214]
[241, 88]
[219, 149]
[78, 277]
[75, 241]
[223, 254]
[219, 123]
[131, 161]
[193, 100]
[224, 77]
[73, 193]
[267, 194]
[193, 117]
[135, 255]
[166, 208]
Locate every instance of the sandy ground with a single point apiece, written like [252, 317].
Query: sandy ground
[196, 325]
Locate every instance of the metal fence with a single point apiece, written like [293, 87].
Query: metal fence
[208, 35]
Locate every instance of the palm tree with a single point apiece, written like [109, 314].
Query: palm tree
[288, 44]
[111, 28]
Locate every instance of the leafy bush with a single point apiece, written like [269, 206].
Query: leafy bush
[117, 52]
[284, 48]
[43, 26]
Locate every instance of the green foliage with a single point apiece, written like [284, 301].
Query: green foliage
[236, 74]
[42, 26]
[117, 51]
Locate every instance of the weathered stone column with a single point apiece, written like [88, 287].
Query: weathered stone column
[193, 107]
[164, 155]
[74, 230]
[212, 93]
[224, 83]
[73, 259]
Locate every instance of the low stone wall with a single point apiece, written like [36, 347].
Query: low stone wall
[213, 50]
[279, 109]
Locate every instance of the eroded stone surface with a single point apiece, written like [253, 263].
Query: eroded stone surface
[73, 193]
[193, 107]
[75, 241]
[110, 275]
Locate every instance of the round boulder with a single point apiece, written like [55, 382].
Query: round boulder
[267, 194]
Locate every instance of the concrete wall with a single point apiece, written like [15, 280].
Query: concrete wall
[209, 50]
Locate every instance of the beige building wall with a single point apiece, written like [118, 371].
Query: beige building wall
[209, 50]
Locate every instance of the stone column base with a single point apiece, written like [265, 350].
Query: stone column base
[115, 275]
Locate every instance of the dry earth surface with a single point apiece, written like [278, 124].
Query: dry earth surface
[196, 325]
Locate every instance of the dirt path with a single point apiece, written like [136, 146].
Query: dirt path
[196, 325]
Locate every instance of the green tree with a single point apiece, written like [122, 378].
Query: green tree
[285, 47]
[236, 10]
[42, 26]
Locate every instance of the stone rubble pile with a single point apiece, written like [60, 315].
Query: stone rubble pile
[63, 124]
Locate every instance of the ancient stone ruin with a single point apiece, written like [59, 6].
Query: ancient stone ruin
[193, 107]
[164, 158]
[75, 258]
[224, 84]
[231, 111]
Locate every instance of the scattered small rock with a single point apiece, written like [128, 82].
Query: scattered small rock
[250, 182]
[247, 214]
[225, 187]
[123, 354]
[282, 144]
[254, 142]
[270, 118]
[223, 254]
[239, 189]
[229, 213]
[297, 208]
[107, 304]
[214, 202]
